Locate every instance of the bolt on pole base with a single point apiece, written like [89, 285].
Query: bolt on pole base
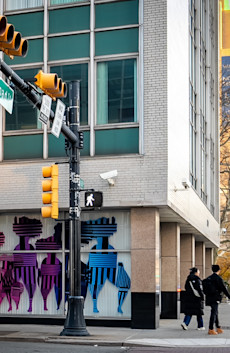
[75, 322]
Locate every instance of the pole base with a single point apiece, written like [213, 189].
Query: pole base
[75, 322]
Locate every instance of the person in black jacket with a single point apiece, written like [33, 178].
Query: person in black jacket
[213, 298]
[194, 299]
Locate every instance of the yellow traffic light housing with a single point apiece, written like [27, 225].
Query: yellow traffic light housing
[50, 188]
[11, 42]
[51, 85]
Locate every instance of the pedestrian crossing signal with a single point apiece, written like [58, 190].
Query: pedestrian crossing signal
[93, 199]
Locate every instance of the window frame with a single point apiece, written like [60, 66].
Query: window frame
[120, 124]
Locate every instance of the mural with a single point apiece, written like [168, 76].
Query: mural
[103, 266]
[21, 271]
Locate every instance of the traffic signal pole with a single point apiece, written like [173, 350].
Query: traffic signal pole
[75, 322]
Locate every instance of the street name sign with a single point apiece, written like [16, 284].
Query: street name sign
[58, 118]
[45, 109]
[6, 96]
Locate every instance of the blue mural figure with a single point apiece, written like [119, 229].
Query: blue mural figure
[103, 265]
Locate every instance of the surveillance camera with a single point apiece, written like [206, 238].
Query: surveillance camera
[186, 183]
[223, 230]
[109, 175]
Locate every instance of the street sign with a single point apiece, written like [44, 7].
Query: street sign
[58, 118]
[6, 96]
[45, 109]
[93, 199]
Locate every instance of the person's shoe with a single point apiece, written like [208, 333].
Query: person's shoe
[201, 328]
[184, 326]
[212, 332]
[219, 330]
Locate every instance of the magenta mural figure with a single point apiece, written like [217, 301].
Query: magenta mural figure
[25, 265]
[9, 288]
[51, 268]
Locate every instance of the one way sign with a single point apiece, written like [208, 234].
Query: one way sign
[93, 199]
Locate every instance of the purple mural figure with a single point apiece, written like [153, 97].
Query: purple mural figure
[51, 268]
[8, 286]
[103, 265]
[25, 265]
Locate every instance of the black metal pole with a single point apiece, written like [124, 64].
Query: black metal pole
[75, 322]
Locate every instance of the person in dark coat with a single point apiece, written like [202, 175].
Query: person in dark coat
[194, 299]
[213, 298]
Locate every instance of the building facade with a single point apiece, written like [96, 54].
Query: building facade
[148, 72]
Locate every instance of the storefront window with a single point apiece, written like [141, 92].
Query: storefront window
[24, 115]
[116, 92]
[75, 72]
[22, 4]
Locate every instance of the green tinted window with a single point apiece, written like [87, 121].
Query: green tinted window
[70, 19]
[68, 47]
[116, 91]
[24, 115]
[57, 145]
[117, 141]
[117, 14]
[116, 42]
[23, 147]
[76, 72]
[34, 54]
[22, 23]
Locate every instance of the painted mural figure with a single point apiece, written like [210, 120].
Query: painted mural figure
[25, 265]
[51, 268]
[9, 288]
[103, 265]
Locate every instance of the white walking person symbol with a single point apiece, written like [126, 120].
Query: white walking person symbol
[90, 200]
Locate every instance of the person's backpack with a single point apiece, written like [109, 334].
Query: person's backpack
[209, 287]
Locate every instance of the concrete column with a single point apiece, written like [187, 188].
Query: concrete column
[145, 265]
[208, 261]
[187, 256]
[170, 270]
[187, 261]
[200, 258]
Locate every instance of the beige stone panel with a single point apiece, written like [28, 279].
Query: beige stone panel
[144, 226]
[187, 256]
[170, 239]
[187, 248]
[208, 261]
[143, 270]
[200, 258]
[169, 270]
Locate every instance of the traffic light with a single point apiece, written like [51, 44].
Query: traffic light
[50, 188]
[11, 42]
[80, 144]
[51, 85]
[93, 199]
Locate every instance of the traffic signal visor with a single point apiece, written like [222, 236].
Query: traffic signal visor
[51, 85]
[11, 42]
[50, 191]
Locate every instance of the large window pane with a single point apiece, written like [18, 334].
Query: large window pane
[60, 2]
[22, 4]
[24, 115]
[116, 92]
[76, 72]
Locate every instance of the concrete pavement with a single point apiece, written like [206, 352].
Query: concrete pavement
[169, 334]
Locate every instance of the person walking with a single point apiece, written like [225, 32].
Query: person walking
[214, 286]
[194, 299]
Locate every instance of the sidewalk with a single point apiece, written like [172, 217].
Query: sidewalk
[168, 334]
